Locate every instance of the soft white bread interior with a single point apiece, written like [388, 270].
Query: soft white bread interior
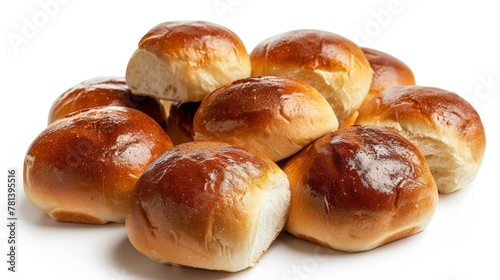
[443, 125]
[185, 60]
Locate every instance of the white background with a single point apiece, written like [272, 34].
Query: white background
[452, 45]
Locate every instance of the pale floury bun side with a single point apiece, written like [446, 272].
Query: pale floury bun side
[166, 104]
[359, 188]
[83, 167]
[185, 60]
[443, 125]
[388, 71]
[332, 64]
[208, 205]
[274, 116]
[105, 91]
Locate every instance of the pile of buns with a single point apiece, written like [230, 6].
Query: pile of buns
[207, 152]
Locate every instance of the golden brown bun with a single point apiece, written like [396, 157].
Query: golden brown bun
[332, 64]
[274, 116]
[443, 125]
[83, 167]
[180, 122]
[358, 188]
[388, 71]
[185, 60]
[208, 205]
[105, 91]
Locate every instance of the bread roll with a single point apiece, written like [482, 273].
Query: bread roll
[332, 64]
[185, 60]
[208, 205]
[273, 116]
[443, 125]
[388, 71]
[180, 122]
[359, 188]
[83, 167]
[105, 91]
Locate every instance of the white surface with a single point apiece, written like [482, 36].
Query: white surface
[450, 45]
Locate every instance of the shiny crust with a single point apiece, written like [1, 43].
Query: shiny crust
[358, 188]
[177, 39]
[105, 91]
[332, 64]
[180, 122]
[83, 167]
[273, 116]
[185, 60]
[388, 71]
[200, 203]
[428, 115]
